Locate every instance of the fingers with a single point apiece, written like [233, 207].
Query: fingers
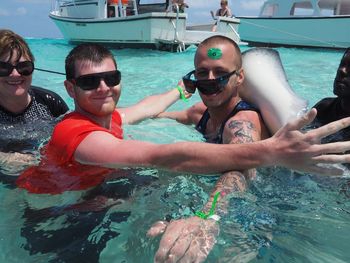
[157, 228]
[171, 235]
[330, 128]
[302, 121]
[324, 170]
[334, 147]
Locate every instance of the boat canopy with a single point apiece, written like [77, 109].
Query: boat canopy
[290, 8]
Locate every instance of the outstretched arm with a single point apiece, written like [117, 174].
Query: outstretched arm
[149, 107]
[289, 147]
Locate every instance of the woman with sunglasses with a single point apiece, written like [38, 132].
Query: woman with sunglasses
[22, 106]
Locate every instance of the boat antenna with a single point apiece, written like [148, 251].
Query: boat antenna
[50, 71]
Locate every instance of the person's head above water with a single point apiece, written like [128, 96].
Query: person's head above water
[218, 71]
[341, 86]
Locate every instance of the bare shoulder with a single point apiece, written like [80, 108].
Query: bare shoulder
[195, 112]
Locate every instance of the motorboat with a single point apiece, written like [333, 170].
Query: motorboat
[309, 23]
[134, 23]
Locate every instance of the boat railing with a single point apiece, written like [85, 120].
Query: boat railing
[181, 44]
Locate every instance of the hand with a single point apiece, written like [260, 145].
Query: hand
[185, 240]
[303, 151]
[187, 94]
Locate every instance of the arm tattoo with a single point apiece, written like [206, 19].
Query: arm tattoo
[241, 131]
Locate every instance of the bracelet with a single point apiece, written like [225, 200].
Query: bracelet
[182, 94]
[211, 214]
[214, 217]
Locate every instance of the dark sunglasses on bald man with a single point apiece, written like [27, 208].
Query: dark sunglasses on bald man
[206, 86]
[92, 81]
[24, 68]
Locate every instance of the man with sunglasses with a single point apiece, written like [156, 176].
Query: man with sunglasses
[22, 106]
[223, 118]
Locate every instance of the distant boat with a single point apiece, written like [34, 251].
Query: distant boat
[133, 23]
[310, 23]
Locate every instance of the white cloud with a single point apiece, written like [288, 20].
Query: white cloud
[252, 5]
[21, 11]
[4, 12]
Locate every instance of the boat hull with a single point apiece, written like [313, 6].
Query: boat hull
[142, 30]
[328, 32]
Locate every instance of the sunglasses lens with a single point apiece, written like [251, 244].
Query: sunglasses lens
[112, 79]
[209, 87]
[189, 85]
[5, 69]
[88, 82]
[25, 68]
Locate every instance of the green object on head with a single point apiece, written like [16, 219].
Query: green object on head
[214, 53]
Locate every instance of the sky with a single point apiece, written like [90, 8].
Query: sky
[29, 18]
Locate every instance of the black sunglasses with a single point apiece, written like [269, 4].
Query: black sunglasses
[24, 68]
[92, 81]
[207, 86]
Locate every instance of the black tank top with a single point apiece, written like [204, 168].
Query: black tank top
[202, 124]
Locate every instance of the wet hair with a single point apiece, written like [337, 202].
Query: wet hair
[218, 40]
[14, 45]
[88, 52]
[341, 86]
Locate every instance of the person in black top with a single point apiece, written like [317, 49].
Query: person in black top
[223, 118]
[27, 113]
[332, 109]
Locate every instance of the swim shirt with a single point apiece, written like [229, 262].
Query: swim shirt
[25, 131]
[202, 124]
[58, 171]
[44, 104]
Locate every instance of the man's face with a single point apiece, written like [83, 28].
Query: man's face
[210, 65]
[341, 85]
[15, 84]
[100, 101]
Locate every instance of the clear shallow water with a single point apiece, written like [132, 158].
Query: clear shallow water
[284, 217]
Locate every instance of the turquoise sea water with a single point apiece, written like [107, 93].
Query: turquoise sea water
[283, 217]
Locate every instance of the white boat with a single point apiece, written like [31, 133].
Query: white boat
[310, 23]
[133, 23]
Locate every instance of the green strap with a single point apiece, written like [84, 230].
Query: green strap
[182, 94]
[203, 215]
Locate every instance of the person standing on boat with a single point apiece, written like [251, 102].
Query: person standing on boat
[331, 109]
[224, 10]
[22, 106]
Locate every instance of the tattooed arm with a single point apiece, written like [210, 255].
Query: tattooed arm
[193, 238]
[244, 127]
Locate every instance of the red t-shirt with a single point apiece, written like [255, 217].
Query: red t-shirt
[58, 171]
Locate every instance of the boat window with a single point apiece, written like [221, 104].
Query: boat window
[269, 10]
[302, 9]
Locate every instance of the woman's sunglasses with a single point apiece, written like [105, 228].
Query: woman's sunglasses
[92, 81]
[207, 86]
[24, 68]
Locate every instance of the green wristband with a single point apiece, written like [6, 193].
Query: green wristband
[212, 209]
[182, 94]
